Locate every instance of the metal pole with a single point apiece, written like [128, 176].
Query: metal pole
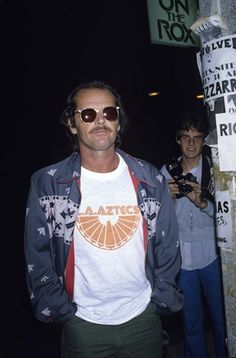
[225, 181]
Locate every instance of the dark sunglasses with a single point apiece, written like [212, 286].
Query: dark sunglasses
[88, 115]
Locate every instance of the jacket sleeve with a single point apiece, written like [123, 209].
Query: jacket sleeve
[166, 293]
[48, 297]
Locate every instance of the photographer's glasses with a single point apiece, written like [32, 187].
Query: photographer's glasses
[195, 139]
[88, 115]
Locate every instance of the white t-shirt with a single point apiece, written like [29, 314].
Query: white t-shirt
[110, 284]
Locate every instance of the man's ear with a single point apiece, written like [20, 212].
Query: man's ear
[72, 126]
[177, 140]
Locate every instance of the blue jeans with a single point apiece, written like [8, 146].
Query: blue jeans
[193, 283]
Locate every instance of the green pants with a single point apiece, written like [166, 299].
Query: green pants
[141, 337]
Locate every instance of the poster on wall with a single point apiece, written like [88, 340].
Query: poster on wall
[223, 219]
[217, 67]
[226, 137]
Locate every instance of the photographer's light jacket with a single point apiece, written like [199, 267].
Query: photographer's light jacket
[196, 226]
[52, 208]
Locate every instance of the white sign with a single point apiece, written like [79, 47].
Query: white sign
[226, 135]
[170, 21]
[223, 219]
[217, 67]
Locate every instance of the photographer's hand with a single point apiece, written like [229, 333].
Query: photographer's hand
[196, 195]
[173, 188]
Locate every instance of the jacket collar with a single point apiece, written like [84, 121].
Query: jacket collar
[137, 168]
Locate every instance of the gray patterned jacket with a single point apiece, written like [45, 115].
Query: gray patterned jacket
[53, 203]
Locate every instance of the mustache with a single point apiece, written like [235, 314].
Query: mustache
[98, 128]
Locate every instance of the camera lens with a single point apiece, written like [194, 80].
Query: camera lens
[184, 189]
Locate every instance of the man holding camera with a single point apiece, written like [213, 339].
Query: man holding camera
[191, 185]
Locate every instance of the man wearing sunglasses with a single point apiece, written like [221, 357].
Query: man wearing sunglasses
[191, 185]
[100, 239]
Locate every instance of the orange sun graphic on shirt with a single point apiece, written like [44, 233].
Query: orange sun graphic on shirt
[107, 232]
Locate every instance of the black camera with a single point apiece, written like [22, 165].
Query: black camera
[176, 171]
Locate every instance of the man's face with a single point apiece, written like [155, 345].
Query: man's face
[191, 143]
[99, 135]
